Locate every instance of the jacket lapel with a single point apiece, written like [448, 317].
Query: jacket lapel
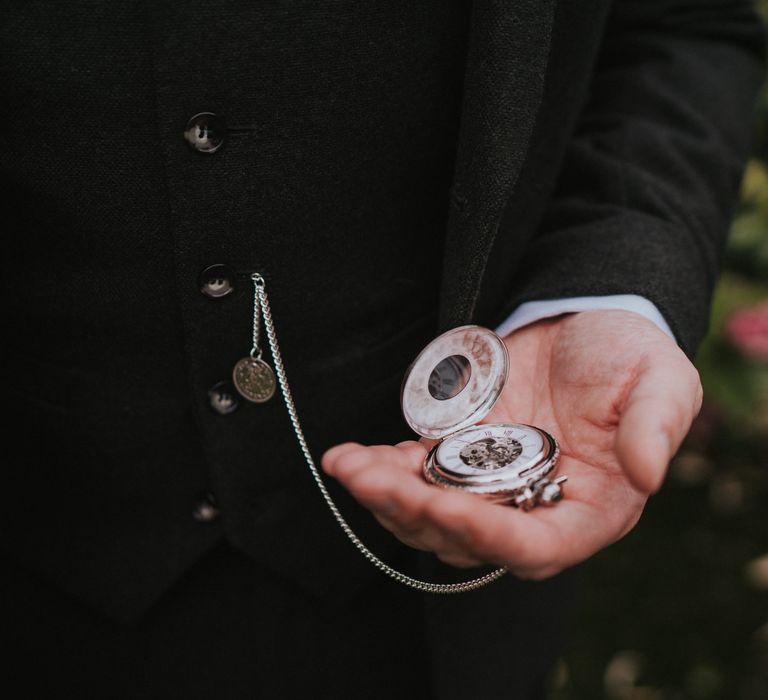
[504, 81]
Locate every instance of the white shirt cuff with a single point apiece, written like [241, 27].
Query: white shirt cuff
[531, 311]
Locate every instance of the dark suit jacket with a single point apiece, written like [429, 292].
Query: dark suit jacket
[387, 184]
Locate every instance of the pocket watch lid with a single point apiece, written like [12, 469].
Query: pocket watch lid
[454, 382]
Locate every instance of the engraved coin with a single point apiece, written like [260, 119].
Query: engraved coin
[491, 452]
[254, 380]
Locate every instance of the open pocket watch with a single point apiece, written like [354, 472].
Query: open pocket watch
[448, 389]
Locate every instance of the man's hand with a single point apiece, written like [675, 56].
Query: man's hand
[617, 394]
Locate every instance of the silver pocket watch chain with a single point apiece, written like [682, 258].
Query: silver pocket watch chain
[261, 303]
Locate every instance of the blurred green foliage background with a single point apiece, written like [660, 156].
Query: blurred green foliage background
[678, 610]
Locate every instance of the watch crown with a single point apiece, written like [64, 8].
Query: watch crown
[549, 492]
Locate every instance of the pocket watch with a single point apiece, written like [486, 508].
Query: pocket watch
[448, 389]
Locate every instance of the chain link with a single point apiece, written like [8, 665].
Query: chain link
[258, 282]
[425, 586]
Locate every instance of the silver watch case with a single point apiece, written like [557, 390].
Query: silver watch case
[448, 389]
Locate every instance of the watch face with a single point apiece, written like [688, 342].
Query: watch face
[485, 450]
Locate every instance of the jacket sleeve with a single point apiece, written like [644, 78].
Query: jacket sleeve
[651, 174]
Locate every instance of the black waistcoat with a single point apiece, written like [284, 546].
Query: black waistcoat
[332, 181]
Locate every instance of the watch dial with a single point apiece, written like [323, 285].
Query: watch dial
[487, 448]
[490, 452]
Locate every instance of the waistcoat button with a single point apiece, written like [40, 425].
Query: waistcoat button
[223, 398]
[217, 281]
[205, 132]
[206, 510]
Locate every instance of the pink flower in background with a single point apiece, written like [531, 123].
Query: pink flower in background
[747, 329]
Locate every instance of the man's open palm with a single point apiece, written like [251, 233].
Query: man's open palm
[617, 394]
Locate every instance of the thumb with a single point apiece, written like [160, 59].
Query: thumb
[655, 418]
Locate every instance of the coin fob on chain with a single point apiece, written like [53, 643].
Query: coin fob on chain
[450, 387]
[254, 379]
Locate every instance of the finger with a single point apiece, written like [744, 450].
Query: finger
[459, 560]
[332, 455]
[398, 500]
[415, 452]
[399, 508]
[533, 545]
[430, 539]
[655, 418]
[386, 479]
[398, 494]
[402, 503]
[455, 524]
[424, 535]
[345, 459]
[391, 459]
